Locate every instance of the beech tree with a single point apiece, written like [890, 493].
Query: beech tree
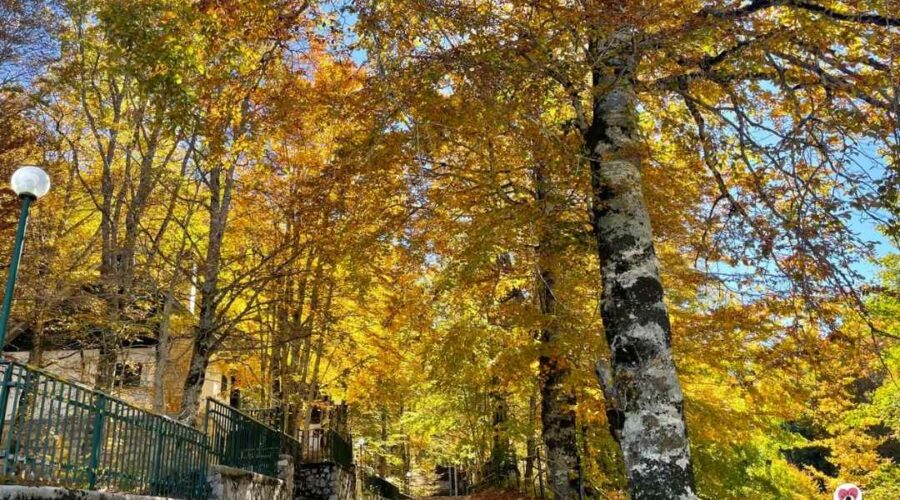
[804, 75]
[494, 229]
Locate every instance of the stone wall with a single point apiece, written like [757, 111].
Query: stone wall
[323, 482]
[16, 492]
[286, 473]
[81, 366]
[228, 483]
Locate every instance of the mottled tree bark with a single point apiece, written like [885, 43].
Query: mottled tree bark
[278, 366]
[648, 396]
[557, 398]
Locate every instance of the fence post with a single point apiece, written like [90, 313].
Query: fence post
[4, 401]
[332, 442]
[96, 439]
[4, 393]
[206, 417]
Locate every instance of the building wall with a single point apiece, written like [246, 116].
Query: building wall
[81, 366]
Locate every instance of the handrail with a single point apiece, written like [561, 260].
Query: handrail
[239, 440]
[321, 446]
[56, 431]
[60, 432]
[382, 487]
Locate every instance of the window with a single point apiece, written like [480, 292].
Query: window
[128, 374]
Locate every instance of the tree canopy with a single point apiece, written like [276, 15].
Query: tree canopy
[649, 245]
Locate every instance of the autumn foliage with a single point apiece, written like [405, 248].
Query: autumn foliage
[493, 229]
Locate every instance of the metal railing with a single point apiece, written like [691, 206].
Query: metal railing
[320, 446]
[381, 487]
[273, 417]
[58, 432]
[527, 475]
[239, 440]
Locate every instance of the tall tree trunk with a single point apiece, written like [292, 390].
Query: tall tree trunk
[108, 269]
[382, 458]
[308, 330]
[293, 414]
[221, 182]
[530, 442]
[162, 355]
[501, 461]
[557, 397]
[324, 323]
[645, 388]
[163, 343]
[201, 352]
[36, 355]
[278, 364]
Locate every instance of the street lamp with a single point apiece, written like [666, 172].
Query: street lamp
[30, 183]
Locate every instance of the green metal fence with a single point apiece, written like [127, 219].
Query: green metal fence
[307, 446]
[238, 440]
[273, 417]
[382, 488]
[320, 446]
[58, 432]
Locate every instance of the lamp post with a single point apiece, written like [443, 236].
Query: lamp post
[30, 183]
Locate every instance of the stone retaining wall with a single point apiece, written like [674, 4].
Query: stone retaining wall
[228, 483]
[18, 492]
[323, 482]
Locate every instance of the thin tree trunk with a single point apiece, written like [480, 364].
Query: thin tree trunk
[162, 356]
[277, 366]
[530, 442]
[36, 355]
[644, 385]
[163, 340]
[313, 383]
[308, 330]
[320, 345]
[297, 364]
[382, 459]
[557, 397]
[108, 347]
